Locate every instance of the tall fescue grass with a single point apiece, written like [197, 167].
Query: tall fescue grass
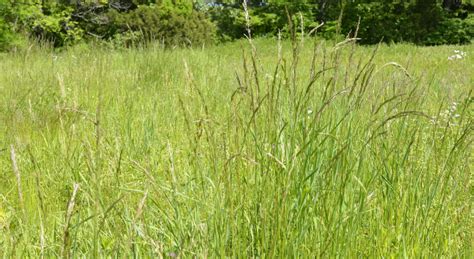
[261, 149]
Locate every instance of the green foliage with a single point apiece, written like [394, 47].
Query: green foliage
[231, 22]
[177, 6]
[424, 23]
[8, 37]
[172, 26]
[378, 20]
[184, 22]
[51, 23]
[57, 28]
[452, 31]
[266, 20]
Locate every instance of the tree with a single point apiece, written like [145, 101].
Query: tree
[452, 4]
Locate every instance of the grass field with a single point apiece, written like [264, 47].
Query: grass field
[277, 150]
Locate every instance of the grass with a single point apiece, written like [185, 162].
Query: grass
[303, 150]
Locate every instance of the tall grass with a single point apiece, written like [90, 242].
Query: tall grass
[260, 149]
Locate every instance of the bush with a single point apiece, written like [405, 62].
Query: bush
[46, 23]
[424, 23]
[172, 26]
[231, 22]
[8, 37]
[378, 21]
[452, 31]
[57, 28]
[264, 20]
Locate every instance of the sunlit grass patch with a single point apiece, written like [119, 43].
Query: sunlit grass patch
[238, 150]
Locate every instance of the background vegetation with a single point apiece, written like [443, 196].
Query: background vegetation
[184, 23]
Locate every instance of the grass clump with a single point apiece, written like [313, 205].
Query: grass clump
[267, 149]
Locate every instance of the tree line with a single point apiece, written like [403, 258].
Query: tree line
[125, 23]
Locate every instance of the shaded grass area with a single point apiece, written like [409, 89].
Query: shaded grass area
[269, 149]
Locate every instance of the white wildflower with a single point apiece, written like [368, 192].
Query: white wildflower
[454, 57]
[458, 54]
[453, 107]
[449, 116]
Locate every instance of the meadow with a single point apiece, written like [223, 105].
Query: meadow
[307, 149]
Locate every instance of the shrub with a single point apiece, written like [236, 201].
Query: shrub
[46, 23]
[8, 37]
[264, 20]
[452, 31]
[424, 23]
[57, 28]
[379, 21]
[172, 26]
